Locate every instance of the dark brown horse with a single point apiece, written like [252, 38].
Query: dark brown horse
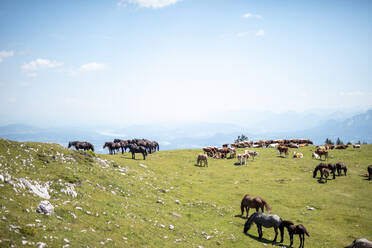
[83, 145]
[324, 174]
[283, 149]
[369, 172]
[330, 167]
[112, 146]
[253, 202]
[293, 229]
[340, 166]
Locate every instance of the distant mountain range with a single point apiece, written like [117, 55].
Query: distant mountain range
[196, 135]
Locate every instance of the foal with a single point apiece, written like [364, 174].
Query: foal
[293, 229]
[341, 166]
[324, 174]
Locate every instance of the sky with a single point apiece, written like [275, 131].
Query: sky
[144, 61]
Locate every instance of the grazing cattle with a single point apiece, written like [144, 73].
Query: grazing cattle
[360, 243]
[293, 229]
[297, 155]
[243, 158]
[322, 153]
[341, 147]
[315, 155]
[202, 158]
[251, 153]
[253, 202]
[369, 172]
[263, 220]
[303, 145]
[321, 148]
[232, 153]
[324, 174]
[292, 145]
[283, 149]
[225, 145]
[319, 167]
[356, 146]
[340, 166]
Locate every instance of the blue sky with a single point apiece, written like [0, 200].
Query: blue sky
[137, 61]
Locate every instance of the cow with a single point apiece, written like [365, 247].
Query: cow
[282, 149]
[356, 146]
[297, 155]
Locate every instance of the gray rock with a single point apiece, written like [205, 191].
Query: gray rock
[45, 207]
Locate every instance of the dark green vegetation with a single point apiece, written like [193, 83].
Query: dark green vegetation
[120, 206]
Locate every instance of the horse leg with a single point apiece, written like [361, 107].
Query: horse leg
[300, 235]
[276, 234]
[259, 229]
[144, 156]
[291, 238]
[247, 209]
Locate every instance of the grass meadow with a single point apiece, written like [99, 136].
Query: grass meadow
[132, 203]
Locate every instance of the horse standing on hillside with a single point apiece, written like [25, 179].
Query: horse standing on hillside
[133, 148]
[202, 158]
[340, 166]
[263, 220]
[331, 167]
[112, 146]
[81, 145]
[293, 229]
[282, 149]
[253, 202]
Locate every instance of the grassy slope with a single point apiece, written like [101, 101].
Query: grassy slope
[209, 198]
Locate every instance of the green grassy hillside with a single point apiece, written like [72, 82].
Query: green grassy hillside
[122, 202]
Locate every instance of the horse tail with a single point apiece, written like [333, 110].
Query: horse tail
[268, 208]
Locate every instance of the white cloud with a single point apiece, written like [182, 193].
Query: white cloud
[4, 54]
[93, 66]
[352, 93]
[149, 3]
[41, 64]
[12, 99]
[25, 84]
[249, 15]
[260, 32]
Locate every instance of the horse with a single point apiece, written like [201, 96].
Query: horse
[321, 153]
[369, 172]
[319, 167]
[81, 145]
[282, 149]
[133, 148]
[360, 243]
[202, 158]
[243, 158]
[251, 153]
[293, 229]
[341, 166]
[253, 202]
[324, 174]
[112, 146]
[265, 220]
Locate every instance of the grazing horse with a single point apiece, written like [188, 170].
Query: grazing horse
[331, 167]
[202, 158]
[293, 229]
[341, 166]
[282, 149]
[360, 243]
[369, 172]
[263, 220]
[324, 174]
[133, 148]
[321, 153]
[253, 202]
[73, 143]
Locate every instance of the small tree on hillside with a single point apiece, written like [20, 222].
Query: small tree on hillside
[328, 142]
[358, 142]
[241, 138]
[365, 143]
[348, 143]
[339, 142]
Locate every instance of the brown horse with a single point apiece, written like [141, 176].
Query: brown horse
[253, 202]
[324, 174]
[369, 172]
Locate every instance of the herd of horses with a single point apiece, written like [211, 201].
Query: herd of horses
[134, 146]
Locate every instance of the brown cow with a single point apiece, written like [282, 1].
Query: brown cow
[282, 149]
[321, 153]
[341, 147]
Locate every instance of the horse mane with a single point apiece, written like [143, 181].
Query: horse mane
[251, 218]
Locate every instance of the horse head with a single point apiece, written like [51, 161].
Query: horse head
[248, 223]
[69, 144]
